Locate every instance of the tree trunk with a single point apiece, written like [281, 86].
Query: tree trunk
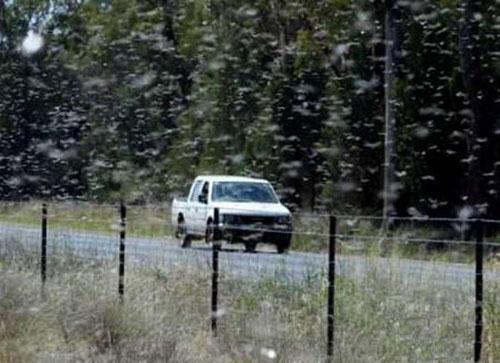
[481, 167]
[3, 26]
[182, 66]
[392, 66]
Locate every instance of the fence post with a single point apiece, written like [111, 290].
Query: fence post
[479, 290]
[43, 257]
[331, 287]
[215, 270]
[121, 271]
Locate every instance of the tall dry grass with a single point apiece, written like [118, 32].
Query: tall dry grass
[165, 315]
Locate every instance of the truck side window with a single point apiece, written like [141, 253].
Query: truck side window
[196, 191]
[204, 191]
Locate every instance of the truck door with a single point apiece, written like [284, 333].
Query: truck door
[201, 207]
[191, 207]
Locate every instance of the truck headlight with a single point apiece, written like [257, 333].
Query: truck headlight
[283, 220]
[231, 220]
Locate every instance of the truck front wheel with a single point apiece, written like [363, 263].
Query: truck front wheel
[282, 247]
[250, 246]
[283, 243]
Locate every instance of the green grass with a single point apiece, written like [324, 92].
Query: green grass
[369, 239]
[311, 232]
[165, 315]
[149, 221]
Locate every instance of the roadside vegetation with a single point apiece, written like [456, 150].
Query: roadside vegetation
[357, 236]
[131, 99]
[165, 315]
[143, 220]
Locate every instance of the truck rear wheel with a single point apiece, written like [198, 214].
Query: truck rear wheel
[186, 241]
[209, 232]
[181, 233]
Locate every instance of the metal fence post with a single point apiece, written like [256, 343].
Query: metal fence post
[479, 290]
[121, 271]
[331, 287]
[215, 270]
[43, 257]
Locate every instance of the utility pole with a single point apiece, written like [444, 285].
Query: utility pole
[389, 120]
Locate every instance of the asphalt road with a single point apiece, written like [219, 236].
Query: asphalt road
[295, 266]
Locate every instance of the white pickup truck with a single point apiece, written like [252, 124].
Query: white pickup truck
[249, 212]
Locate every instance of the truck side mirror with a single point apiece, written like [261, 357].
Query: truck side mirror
[202, 199]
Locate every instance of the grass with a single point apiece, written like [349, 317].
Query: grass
[165, 315]
[148, 221]
[408, 240]
[310, 232]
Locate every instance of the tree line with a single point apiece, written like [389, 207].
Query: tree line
[132, 99]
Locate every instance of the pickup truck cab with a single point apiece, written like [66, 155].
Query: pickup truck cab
[249, 212]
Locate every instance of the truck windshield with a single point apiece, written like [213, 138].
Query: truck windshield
[243, 192]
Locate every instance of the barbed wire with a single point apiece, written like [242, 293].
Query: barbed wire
[71, 243]
[61, 231]
[166, 205]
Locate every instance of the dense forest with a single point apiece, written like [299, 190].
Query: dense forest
[109, 99]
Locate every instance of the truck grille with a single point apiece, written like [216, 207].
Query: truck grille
[249, 220]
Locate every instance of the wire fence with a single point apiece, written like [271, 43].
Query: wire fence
[351, 288]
